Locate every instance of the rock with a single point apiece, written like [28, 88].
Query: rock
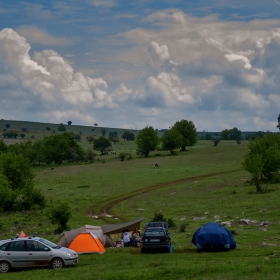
[216, 217]
[140, 209]
[227, 223]
[206, 213]
[199, 218]
[245, 221]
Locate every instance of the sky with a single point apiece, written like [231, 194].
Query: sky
[137, 63]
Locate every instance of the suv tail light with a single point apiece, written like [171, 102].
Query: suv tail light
[167, 239]
[142, 240]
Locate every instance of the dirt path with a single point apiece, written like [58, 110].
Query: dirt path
[103, 209]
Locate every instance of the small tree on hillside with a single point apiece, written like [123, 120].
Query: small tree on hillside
[61, 127]
[48, 128]
[59, 213]
[69, 122]
[8, 125]
[90, 139]
[147, 141]
[172, 140]
[188, 131]
[101, 144]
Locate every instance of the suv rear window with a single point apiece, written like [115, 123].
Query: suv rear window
[154, 232]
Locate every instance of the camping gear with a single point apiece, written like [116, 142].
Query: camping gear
[87, 243]
[213, 236]
[103, 232]
[68, 236]
[22, 234]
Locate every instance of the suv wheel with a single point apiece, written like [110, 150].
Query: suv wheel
[5, 267]
[57, 263]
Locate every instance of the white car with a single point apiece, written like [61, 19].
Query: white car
[34, 252]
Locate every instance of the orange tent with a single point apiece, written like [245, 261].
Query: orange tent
[22, 234]
[87, 243]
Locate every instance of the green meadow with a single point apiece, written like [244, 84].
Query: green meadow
[203, 184]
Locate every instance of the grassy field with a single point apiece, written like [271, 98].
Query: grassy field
[200, 185]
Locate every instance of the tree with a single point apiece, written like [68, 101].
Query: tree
[61, 127]
[90, 155]
[8, 125]
[22, 135]
[216, 141]
[172, 140]
[103, 131]
[188, 131]
[59, 212]
[113, 134]
[130, 137]
[62, 147]
[24, 129]
[263, 153]
[278, 125]
[114, 139]
[101, 144]
[17, 190]
[90, 139]
[147, 141]
[48, 128]
[3, 147]
[125, 135]
[69, 122]
[95, 124]
[231, 134]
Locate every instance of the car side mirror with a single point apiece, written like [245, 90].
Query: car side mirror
[46, 249]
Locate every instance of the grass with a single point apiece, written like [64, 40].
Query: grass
[181, 190]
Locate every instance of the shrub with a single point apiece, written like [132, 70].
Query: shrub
[182, 228]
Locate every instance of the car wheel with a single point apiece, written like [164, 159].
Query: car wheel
[5, 267]
[57, 263]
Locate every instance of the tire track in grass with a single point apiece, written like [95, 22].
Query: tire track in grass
[104, 208]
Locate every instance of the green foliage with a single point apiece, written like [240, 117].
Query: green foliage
[17, 190]
[22, 135]
[8, 125]
[101, 144]
[48, 128]
[113, 134]
[158, 217]
[122, 156]
[262, 159]
[278, 120]
[171, 223]
[90, 139]
[61, 127]
[172, 140]
[147, 141]
[114, 139]
[3, 147]
[188, 131]
[231, 134]
[103, 131]
[90, 155]
[10, 134]
[216, 141]
[62, 147]
[69, 122]
[59, 212]
[182, 228]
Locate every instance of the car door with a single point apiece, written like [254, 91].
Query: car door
[16, 253]
[38, 254]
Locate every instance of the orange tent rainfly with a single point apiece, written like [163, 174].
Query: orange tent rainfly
[87, 243]
[22, 234]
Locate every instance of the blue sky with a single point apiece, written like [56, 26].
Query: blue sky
[132, 64]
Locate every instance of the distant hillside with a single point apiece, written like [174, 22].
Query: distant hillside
[41, 127]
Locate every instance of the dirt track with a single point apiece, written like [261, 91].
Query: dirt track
[104, 208]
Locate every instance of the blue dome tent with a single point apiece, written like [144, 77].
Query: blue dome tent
[212, 236]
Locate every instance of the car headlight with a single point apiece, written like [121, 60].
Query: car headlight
[70, 255]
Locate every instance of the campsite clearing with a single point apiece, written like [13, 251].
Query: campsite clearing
[194, 202]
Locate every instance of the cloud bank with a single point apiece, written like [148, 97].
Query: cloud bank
[219, 74]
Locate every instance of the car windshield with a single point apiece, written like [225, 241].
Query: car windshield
[48, 243]
[154, 232]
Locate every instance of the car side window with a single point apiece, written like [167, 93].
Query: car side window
[18, 246]
[4, 246]
[33, 245]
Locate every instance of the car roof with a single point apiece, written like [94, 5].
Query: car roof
[20, 238]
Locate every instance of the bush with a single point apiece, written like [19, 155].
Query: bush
[59, 213]
[182, 228]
